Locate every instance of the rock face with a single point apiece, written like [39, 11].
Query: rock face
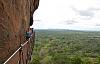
[15, 18]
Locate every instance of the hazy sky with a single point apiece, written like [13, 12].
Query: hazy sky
[68, 14]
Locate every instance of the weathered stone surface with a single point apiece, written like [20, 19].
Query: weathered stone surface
[14, 20]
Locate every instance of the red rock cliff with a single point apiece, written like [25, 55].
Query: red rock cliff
[15, 17]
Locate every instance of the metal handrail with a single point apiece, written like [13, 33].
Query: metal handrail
[17, 50]
[12, 55]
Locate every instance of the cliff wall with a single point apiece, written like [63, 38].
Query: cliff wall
[15, 17]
